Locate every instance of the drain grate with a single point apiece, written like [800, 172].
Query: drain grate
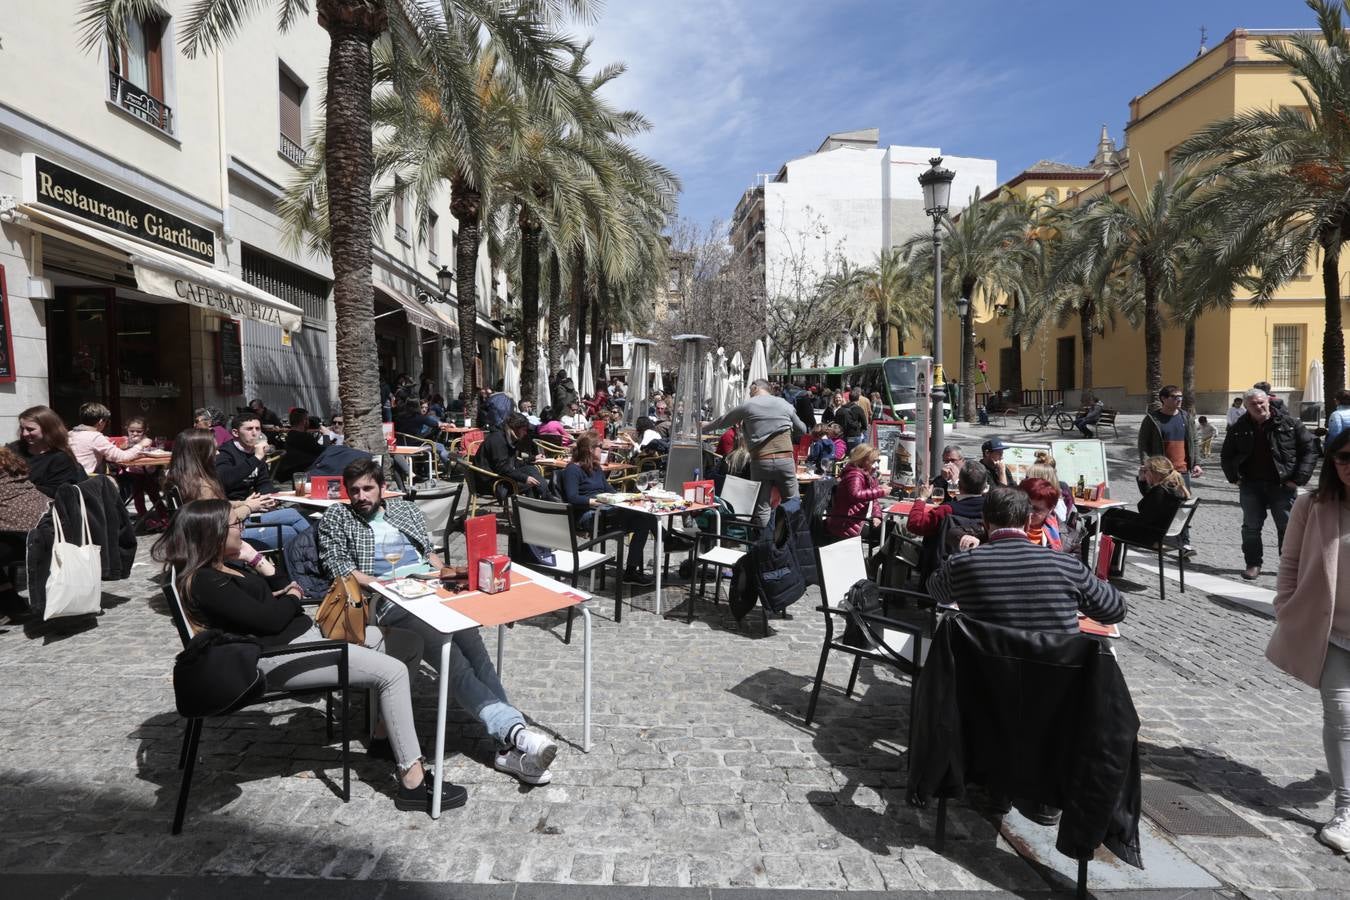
[1183, 810]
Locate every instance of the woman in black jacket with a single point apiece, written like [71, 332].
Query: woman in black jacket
[44, 444]
[1156, 509]
[201, 544]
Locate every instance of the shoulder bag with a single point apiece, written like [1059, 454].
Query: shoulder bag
[74, 580]
[344, 611]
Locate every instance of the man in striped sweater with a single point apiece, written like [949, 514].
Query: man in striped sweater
[1010, 581]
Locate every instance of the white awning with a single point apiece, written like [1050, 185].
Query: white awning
[421, 316]
[167, 275]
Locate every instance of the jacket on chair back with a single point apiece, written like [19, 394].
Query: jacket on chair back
[1037, 717]
[109, 526]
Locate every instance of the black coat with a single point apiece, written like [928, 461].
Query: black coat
[49, 471]
[241, 472]
[1291, 446]
[1157, 508]
[1036, 717]
[109, 526]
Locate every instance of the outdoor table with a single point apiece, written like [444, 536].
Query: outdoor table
[897, 509]
[552, 462]
[425, 449]
[530, 594]
[1093, 509]
[321, 502]
[157, 460]
[645, 504]
[449, 428]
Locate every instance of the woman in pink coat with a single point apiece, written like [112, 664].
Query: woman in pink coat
[851, 510]
[1312, 617]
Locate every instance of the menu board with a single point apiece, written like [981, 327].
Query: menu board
[897, 447]
[7, 373]
[229, 358]
[1081, 458]
[1020, 457]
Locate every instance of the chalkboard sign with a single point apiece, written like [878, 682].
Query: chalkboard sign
[6, 342]
[896, 446]
[229, 358]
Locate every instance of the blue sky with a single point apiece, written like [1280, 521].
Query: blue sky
[736, 87]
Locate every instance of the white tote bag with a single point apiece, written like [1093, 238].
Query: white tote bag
[74, 581]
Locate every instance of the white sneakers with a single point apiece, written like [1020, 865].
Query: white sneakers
[529, 759]
[1336, 833]
[515, 763]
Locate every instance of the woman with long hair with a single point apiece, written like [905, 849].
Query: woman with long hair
[44, 444]
[583, 480]
[1156, 509]
[1312, 617]
[21, 508]
[192, 474]
[851, 509]
[198, 550]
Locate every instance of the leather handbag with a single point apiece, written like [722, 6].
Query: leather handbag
[344, 612]
[74, 581]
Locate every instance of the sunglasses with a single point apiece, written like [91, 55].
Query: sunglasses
[1342, 459]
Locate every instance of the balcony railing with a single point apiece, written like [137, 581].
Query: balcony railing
[139, 103]
[292, 151]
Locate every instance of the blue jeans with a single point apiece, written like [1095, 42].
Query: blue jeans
[1255, 498]
[636, 524]
[473, 678]
[292, 522]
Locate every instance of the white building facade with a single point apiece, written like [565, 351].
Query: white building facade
[144, 263]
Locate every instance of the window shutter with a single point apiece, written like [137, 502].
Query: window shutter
[154, 59]
[292, 99]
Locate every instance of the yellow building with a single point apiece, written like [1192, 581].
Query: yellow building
[1234, 347]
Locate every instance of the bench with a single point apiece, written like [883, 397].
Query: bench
[1106, 420]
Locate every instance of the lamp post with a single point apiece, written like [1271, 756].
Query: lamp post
[446, 280]
[962, 310]
[937, 191]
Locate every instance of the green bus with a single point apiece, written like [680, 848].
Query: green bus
[831, 377]
[896, 379]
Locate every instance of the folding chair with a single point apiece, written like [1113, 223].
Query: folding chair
[894, 642]
[1170, 542]
[187, 757]
[444, 509]
[552, 525]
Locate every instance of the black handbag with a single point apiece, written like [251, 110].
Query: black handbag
[215, 673]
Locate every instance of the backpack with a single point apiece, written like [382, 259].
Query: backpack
[773, 565]
[803, 543]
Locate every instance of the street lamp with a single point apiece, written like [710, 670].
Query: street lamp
[937, 193]
[962, 309]
[446, 279]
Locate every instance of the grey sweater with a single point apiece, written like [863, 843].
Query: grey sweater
[762, 416]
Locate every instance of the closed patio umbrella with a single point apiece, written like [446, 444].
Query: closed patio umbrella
[511, 377]
[587, 386]
[1313, 392]
[544, 398]
[759, 362]
[736, 383]
[571, 365]
[658, 378]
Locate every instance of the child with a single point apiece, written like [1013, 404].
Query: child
[837, 435]
[1206, 433]
[142, 482]
[820, 458]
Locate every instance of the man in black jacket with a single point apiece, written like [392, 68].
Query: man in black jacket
[1268, 456]
[852, 420]
[302, 447]
[241, 466]
[504, 452]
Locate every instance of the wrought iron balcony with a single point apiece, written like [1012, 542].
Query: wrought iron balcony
[292, 151]
[139, 103]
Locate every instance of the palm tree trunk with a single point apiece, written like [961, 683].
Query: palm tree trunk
[349, 166]
[555, 337]
[529, 305]
[1188, 367]
[1015, 354]
[1152, 339]
[1086, 313]
[579, 301]
[598, 316]
[967, 356]
[466, 205]
[1333, 341]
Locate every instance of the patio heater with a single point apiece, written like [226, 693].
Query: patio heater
[685, 461]
[638, 396]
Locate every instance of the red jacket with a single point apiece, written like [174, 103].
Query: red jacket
[727, 442]
[853, 497]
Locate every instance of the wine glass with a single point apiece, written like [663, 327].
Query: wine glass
[392, 554]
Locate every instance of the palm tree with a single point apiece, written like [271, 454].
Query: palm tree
[1148, 239]
[441, 39]
[1280, 178]
[886, 297]
[983, 250]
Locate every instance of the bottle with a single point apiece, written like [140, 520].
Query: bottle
[1081, 491]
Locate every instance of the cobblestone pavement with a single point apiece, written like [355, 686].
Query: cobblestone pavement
[702, 774]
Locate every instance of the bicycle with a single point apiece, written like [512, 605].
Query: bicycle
[1041, 418]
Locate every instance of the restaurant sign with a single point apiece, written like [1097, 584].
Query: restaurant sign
[59, 188]
[213, 298]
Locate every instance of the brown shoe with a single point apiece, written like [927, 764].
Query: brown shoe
[1251, 572]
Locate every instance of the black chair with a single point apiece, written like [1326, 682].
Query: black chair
[903, 644]
[187, 757]
[1168, 542]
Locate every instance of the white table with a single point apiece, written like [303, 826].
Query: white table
[321, 502]
[662, 517]
[447, 621]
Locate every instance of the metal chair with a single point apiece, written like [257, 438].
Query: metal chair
[544, 523]
[444, 509]
[1169, 542]
[898, 643]
[187, 757]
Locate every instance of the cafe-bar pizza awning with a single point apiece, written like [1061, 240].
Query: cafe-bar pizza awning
[166, 274]
[419, 314]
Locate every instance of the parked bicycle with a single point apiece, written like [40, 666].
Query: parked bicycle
[1041, 418]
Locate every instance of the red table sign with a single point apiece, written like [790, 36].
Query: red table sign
[480, 537]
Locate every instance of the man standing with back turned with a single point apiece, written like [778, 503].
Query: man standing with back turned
[771, 428]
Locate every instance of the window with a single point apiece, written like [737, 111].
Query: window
[1051, 195]
[673, 280]
[136, 74]
[616, 356]
[1286, 357]
[400, 213]
[433, 236]
[295, 286]
[292, 101]
[1006, 370]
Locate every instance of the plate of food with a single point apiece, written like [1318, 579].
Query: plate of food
[411, 588]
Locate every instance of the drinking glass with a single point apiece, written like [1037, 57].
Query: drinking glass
[300, 482]
[392, 554]
[939, 493]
